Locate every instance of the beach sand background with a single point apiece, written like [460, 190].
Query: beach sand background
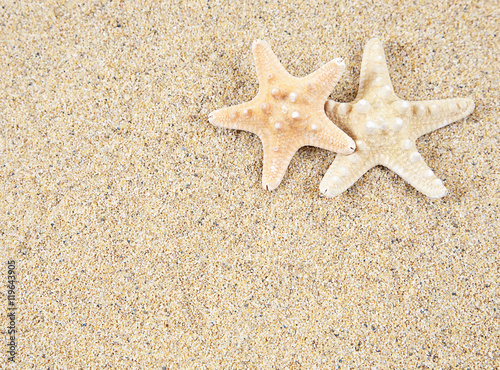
[142, 237]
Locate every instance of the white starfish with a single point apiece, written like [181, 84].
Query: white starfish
[385, 129]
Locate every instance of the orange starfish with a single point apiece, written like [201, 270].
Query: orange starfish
[287, 113]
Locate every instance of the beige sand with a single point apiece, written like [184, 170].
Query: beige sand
[143, 238]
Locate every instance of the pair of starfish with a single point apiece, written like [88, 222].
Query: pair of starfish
[377, 128]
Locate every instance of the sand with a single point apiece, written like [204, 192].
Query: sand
[142, 237]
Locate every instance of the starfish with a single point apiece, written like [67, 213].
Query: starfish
[385, 129]
[287, 113]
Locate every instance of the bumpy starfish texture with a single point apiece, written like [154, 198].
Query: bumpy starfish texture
[287, 113]
[385, 129]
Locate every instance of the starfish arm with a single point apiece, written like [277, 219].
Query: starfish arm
[373, 68]
[322, 81]
[429, 115]
[276, 160]
[409, 164]
[267, 64]
[238, 117]
[338, 113]
[324, 134]
[344, 171]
